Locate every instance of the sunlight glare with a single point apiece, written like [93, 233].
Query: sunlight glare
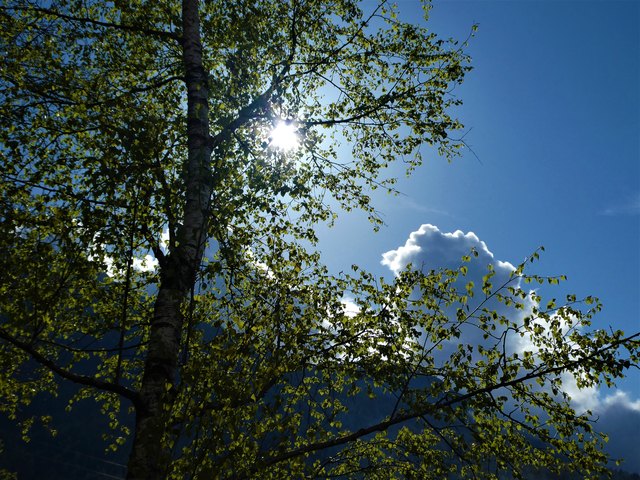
[284, 136]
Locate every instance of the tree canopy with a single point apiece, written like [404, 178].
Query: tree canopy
[159, 250]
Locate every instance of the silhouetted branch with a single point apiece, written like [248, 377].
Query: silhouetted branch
[66, 374]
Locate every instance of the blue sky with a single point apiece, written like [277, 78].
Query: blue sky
[552, 110]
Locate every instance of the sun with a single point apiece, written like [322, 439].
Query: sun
[284, 136]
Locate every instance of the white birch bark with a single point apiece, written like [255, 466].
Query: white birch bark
[149, 458]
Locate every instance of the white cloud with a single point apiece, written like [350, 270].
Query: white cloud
[428, 248]
[622, 399]
[618, 415]
[582, 399]
[351, 309]
[407, 203]
[164, 240]
[596, 401]
[148, 263]
[629, 207]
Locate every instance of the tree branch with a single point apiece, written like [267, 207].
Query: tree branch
[66, 374]
[382, 426]
[75, 196]
[98, 23]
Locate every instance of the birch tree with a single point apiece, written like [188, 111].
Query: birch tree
[159, 248]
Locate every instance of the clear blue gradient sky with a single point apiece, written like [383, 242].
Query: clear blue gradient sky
[552, 110]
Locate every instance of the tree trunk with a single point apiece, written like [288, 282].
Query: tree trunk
[149, 456]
